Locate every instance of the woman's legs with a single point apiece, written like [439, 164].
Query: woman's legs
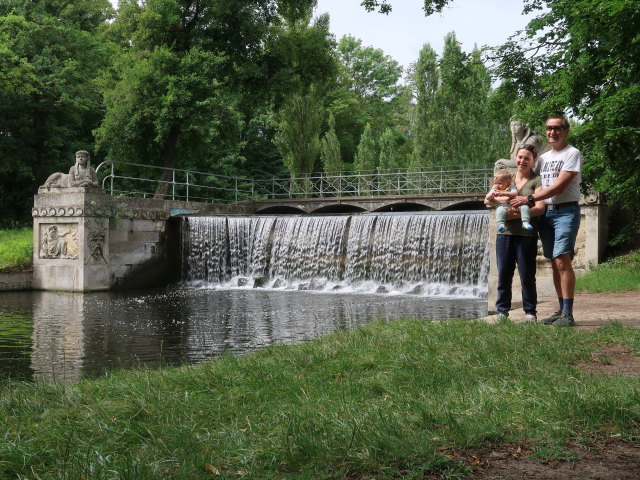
[526, 249]
[506, 263]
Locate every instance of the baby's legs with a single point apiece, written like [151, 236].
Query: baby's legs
[501, 216]
[526, 217]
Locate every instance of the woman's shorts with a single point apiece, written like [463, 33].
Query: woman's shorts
[558, 231]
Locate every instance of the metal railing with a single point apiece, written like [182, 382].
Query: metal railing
[134, 179]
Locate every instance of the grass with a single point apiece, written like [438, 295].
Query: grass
[16, 248]
[385, 401]
[616, 275]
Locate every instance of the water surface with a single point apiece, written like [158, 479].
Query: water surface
[59, 336]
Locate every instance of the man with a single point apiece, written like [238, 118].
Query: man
[559, 171]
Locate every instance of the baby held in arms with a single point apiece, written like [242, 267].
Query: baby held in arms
[503, 190]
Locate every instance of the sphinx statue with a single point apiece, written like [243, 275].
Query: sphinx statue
[82, 174]
[521, 135]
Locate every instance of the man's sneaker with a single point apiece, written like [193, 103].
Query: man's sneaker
[502, 317]
[551, 319]
[529, 318]
[564, 320]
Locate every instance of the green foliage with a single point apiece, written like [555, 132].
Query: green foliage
[390, 151]
[51, 53]
[330, 149]
[16, 248]
[298, 137]
[366, 92]
[587, 65]
[367, 154]
[390, 400]
[384, 6]
[455, 122]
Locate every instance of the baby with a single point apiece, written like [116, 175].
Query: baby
[504, 191]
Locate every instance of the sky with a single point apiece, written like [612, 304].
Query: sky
[403, 32]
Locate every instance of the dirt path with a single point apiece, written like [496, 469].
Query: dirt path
[592, 310]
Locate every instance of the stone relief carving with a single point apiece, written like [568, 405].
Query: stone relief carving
[59, 241]
[96, 245]
[82, 174]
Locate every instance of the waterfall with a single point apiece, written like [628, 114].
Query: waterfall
[425, 253]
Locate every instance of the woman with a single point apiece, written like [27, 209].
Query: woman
[516, 245]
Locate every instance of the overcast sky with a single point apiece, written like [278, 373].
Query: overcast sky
[403, 32]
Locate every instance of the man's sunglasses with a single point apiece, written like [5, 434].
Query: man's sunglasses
[555, 128]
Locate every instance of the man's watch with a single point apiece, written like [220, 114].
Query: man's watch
[530, 200]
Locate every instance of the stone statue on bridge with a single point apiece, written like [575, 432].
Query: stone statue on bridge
[521, 135]
[82, 174]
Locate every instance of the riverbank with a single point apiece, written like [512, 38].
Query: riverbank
[408, 399]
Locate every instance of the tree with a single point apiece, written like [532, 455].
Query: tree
[51, 53]
[306, 68]
[367, 89]
[390, 156]
[588, 66]
[384, 6]
[454, 124]
[426, 79]
[298, 137]
[330, 149]
[366, 156]
[174, 95]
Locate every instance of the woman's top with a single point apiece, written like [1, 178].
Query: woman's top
[514, 227]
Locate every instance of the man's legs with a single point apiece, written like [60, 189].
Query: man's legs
[558, 232]
[564, 278]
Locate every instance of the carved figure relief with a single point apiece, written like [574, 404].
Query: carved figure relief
[96, 245]
[82, 174]
[59, 241]
[521, 135]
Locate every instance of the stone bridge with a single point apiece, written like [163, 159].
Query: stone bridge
[329, 205]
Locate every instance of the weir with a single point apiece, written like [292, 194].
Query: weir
[424, 253]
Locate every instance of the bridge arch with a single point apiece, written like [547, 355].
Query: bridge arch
[339, 208]
[280, 210]
[403, 207]
[468, 205]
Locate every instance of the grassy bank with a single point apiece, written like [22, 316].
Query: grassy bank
[386, 401]
[16, 247]
[616, 275]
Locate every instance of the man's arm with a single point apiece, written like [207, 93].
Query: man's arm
[560, 185]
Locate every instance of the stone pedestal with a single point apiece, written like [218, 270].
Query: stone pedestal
[71, 239]
[590, 245]
[86, 240]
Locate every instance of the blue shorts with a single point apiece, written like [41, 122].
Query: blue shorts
[558, 231]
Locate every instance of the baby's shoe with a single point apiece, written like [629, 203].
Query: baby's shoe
[527, 226]
[501, 227]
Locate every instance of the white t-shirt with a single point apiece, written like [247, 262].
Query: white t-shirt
[549, 166]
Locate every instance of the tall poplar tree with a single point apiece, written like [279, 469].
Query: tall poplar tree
[330, 149]
[298, 136]
[455, 125]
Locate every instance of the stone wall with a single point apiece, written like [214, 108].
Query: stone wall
[86, 240]
[16, 281]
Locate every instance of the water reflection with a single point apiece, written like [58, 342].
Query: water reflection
[64, 336]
